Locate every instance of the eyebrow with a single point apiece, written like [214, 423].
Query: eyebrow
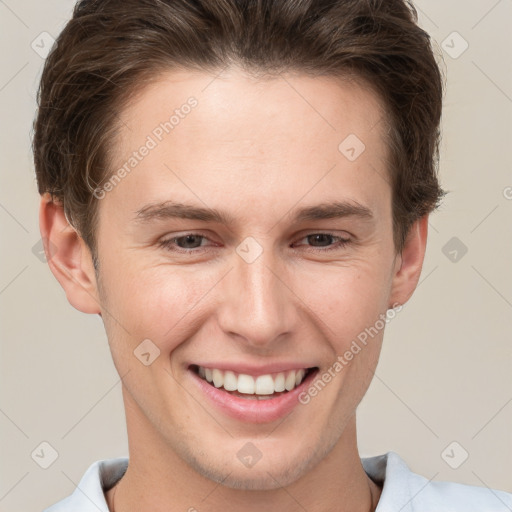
[175, 210]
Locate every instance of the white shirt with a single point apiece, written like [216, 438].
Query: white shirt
[403, 490]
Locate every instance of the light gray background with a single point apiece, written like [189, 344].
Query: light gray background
[446, 366]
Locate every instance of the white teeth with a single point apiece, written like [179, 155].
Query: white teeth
[264, 385]
[246, 384]
[289, 383]
[260, 387]
[218, 378]
[230, 381]
[279, 383]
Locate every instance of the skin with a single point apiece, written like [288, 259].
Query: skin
[258, 151]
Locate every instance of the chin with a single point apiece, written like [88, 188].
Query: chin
[266, 474]
[262, 479]
[259, 483]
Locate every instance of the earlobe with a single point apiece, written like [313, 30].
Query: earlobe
[409, 263]
[68, 257]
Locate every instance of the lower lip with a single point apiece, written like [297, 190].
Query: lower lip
[251, 410]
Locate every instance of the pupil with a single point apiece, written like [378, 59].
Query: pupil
[325, 237]
[189, 238]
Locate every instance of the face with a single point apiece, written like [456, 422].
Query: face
[290, 262]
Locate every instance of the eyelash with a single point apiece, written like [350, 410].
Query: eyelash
[169, 243]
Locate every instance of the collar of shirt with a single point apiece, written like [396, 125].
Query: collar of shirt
[402, 490]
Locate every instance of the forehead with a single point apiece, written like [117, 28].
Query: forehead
[239, 105]
[217, 133]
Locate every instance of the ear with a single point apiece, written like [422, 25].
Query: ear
[409, 262]
[68, 257]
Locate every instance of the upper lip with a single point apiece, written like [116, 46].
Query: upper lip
[255, 369]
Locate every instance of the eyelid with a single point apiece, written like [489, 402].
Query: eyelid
[165, 242]
[333, 233]
[342, 241]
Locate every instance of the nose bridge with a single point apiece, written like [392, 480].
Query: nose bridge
[257, 305]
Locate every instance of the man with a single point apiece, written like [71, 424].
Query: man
[241, 189]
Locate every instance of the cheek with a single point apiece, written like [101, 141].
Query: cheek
[345, 300]
[158, 303]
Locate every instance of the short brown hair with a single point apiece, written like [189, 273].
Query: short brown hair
[110, 47]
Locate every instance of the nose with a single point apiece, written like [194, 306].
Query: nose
[257, 304]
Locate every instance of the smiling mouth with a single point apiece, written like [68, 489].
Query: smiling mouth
[262, 387]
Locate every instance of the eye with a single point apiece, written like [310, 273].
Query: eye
[325, 240]
[184, 243]
[192, 242]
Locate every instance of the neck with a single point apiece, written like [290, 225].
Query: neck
[157, 478]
